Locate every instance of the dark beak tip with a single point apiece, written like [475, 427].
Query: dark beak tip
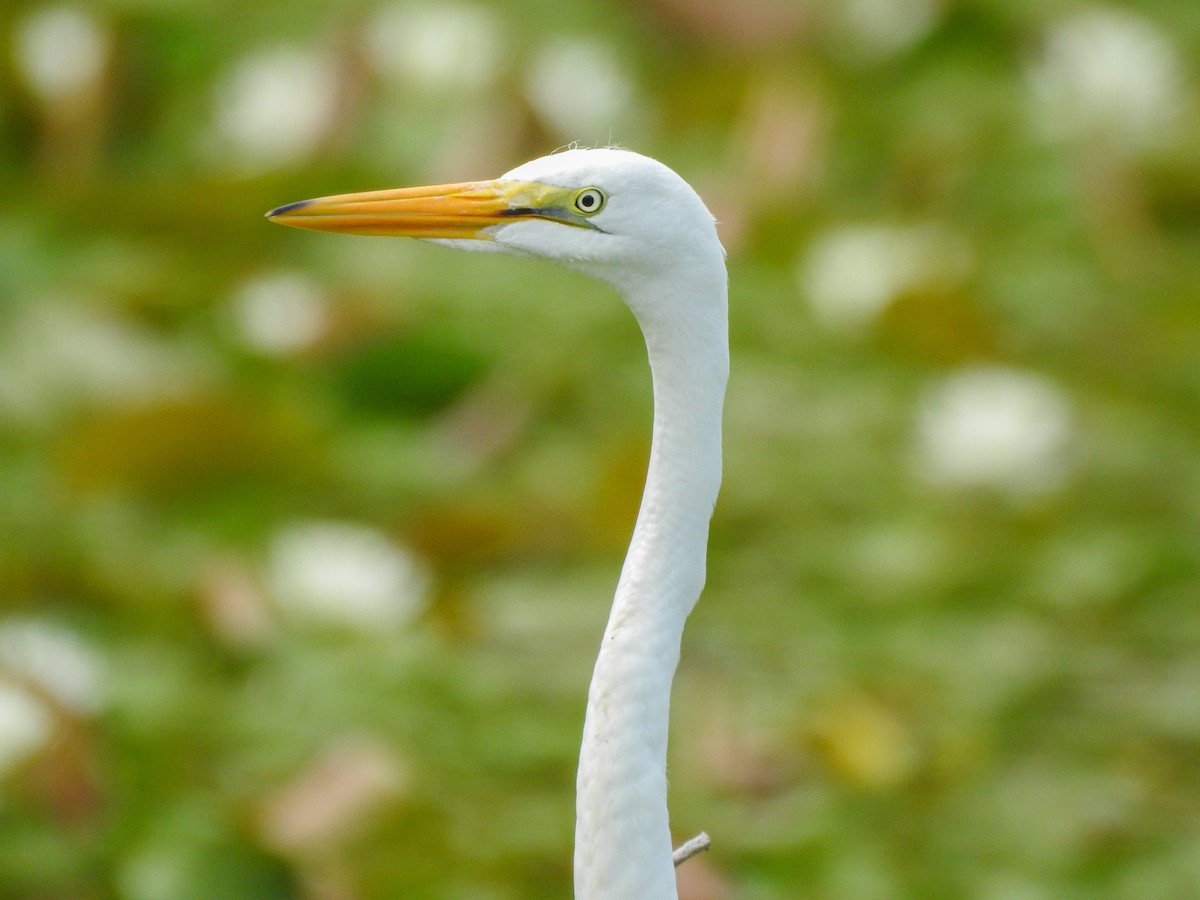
[284, 210]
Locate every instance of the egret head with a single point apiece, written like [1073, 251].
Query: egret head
[613, 214]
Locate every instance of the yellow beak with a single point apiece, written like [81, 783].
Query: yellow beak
[439, 211]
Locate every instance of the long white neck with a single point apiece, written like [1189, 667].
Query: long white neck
[622, 839]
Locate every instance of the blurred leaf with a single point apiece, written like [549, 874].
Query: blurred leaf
[409, 375]
[187, 447]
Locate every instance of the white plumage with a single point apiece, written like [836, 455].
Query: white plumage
[632, 222]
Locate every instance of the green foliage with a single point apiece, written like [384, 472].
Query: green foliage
[306, 542]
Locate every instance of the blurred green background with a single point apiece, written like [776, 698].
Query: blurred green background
[307, 541]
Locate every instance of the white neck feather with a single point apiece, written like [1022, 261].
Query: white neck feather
[622, 839]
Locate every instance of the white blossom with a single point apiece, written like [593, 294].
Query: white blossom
[579, 87]
[851, 274]
[994, 427]
[436, 45]
[280, 312]
[274, 107]
[26, 725]
[881, 28]
[55, 659]
[1111, 75]
[57, 351]
[344, 574]
[60, 52]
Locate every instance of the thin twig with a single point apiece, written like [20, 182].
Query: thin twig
[688, 849]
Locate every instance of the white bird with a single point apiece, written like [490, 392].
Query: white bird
[630, 221]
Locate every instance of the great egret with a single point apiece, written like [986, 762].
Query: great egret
[630, 221]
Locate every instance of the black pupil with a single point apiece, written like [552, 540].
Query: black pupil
[587, 201]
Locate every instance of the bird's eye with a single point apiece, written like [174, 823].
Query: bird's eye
[589, 201]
